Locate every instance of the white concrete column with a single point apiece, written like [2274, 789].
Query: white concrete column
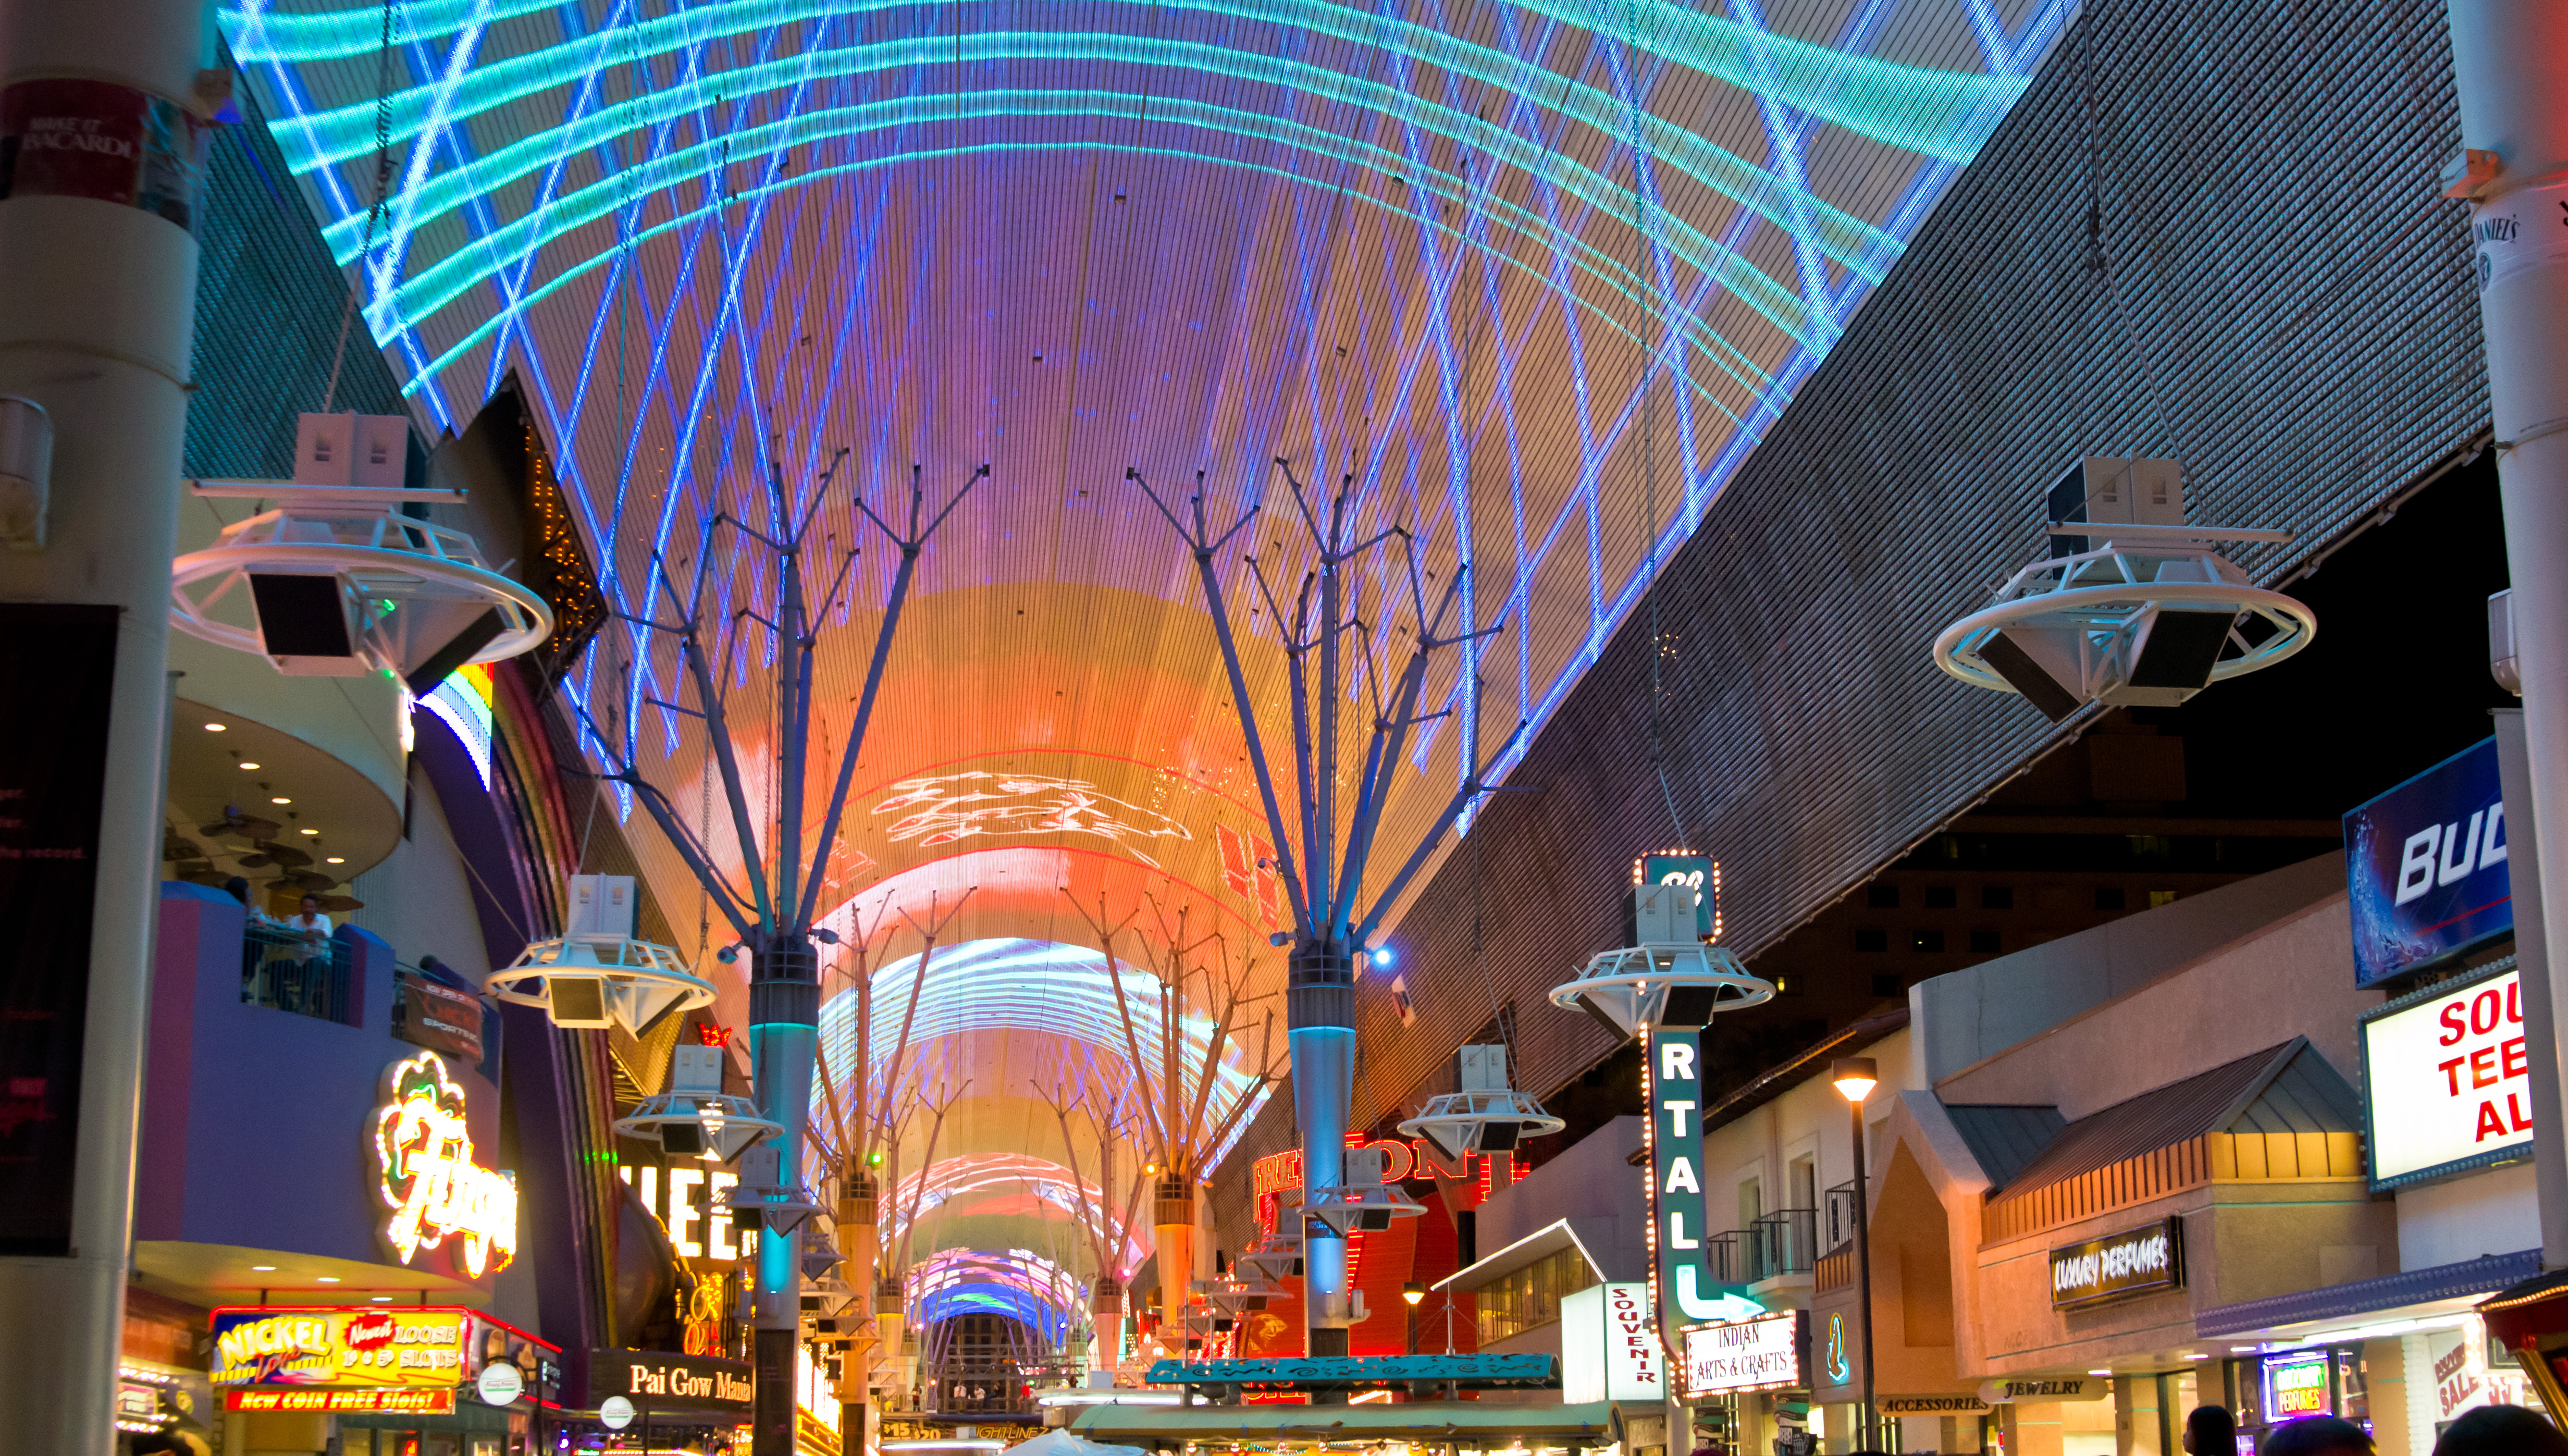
[2510, 58]
[97, 325]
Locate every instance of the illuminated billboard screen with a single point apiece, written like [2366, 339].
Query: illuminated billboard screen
[2445, 1082]
[2425, 868]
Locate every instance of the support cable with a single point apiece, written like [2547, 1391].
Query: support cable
[374, 214]
[2100, 257]
[1641, 271]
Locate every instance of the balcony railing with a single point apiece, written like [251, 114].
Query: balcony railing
[282, 969]
[1784, 1242]
[1727, 1257]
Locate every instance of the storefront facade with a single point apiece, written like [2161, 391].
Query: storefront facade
[321, 1209]
[2104, 1206]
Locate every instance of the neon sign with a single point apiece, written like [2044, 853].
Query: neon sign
[269, 1346]
[2297, 1384]
[425, 1172]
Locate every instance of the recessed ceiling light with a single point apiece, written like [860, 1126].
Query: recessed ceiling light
[307, 831]
[245, 764]
[216, 727]
[278, 799]
[336, 860]
[328, 1280]
[2099, 1372]
[383, 1299]
[262, 1268]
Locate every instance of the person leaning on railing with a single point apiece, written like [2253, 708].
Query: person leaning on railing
[311, 932]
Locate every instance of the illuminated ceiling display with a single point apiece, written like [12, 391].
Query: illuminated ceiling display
[1538, 275]
[1001, 1186]
[942, 809]
[989, 988]
[1017, 1282]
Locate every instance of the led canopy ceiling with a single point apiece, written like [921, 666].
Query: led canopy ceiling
[1534, 275]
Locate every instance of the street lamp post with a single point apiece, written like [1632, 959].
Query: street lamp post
[1856, 1078]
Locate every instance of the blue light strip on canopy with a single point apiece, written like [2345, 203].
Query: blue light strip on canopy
[1017, 1282]
[1940, 114]
[1843, 241]
[998, 986]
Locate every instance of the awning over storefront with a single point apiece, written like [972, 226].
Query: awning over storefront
[1475, 1423]
[2418, 1293]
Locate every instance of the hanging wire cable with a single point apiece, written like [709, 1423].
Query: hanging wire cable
[374, 214]
[1648, 331]
[2100, 257]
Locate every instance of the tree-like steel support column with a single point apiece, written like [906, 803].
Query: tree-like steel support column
[772, 913]
[1320, 1028]
[1330, 652]
[2510, 58]
[102, 105]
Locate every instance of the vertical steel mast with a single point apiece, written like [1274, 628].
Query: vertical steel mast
[1323, 880]
[772, 912]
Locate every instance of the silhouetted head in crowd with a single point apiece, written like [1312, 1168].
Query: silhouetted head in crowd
[2316, 1435]
[2501, 1430]
[237, 887]
[2212, 1431]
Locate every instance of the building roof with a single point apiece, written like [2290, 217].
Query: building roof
[2286, 1088]
[1587, 1235]
[2004, 1137]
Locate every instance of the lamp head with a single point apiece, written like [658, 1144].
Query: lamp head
[1414, 1293]
[1855, 1077]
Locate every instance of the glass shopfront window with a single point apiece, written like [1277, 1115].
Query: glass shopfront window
[1514, 1304]
[2285, 1385]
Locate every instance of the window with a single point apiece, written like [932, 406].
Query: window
[1882, 896]
[1873, 940]
[1941, 897]
[1983, 942]
[1515, 1302]
[2108, 897]
[1885, 985]
[1997, 896]
[1930, 942]
[2161, 897]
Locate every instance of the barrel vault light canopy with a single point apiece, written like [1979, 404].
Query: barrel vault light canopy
[1536, 274]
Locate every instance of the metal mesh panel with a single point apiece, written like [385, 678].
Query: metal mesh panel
[2266, 177]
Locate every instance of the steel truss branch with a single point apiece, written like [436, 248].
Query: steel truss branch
[777, 905]
[1325, 879]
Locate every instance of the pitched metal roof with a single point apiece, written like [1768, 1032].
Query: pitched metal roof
[2003, 1138]
[2287, 1088]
